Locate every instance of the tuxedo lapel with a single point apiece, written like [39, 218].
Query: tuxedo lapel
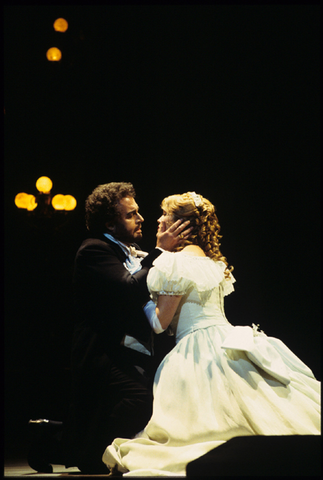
[116, 248]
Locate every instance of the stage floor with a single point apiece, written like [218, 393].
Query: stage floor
[291, 456]
[20, 468]
[16, 465]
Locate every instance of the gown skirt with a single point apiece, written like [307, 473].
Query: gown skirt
[219, 381]
[196, 408]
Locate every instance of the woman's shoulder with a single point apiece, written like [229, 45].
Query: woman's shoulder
[198, 269]
[193, 250]
[185, 257]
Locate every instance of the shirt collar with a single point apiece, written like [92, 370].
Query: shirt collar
[124, 247]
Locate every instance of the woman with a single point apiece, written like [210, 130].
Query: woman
[219, 381]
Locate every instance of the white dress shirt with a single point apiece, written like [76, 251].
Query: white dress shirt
[133, 265]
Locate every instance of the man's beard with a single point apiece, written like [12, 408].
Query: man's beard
[125, 236]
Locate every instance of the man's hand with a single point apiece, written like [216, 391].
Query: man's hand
[172, 237]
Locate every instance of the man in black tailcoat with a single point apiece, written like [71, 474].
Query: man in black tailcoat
[112, 349]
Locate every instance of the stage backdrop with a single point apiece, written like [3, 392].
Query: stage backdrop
[221, 100]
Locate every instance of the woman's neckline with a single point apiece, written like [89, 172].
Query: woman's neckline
[194, 256]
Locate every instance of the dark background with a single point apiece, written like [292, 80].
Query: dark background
[222, 100]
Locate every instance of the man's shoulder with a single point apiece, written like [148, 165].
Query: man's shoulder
[93, 240]
[98, 243]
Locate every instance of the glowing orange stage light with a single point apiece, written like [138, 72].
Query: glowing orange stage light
[24, 200]
[70, 202]
[21, 200]
[60, 25]
[54, 54]
[44, 184]
[59, 202]
[31, 203]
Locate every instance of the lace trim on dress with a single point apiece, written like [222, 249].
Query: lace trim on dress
[164, 292]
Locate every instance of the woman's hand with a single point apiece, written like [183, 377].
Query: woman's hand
[170, 238]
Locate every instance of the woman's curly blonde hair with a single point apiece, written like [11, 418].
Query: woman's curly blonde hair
[201, 213]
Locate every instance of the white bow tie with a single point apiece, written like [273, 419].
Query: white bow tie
[137, 253]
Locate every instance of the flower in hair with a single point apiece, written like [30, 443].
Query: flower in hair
[197, 198]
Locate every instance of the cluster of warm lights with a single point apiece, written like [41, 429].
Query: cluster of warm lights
[44, 186]
[24, 200]
[64, 202]
[54, 54]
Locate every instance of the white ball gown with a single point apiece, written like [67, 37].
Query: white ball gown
[220, 381]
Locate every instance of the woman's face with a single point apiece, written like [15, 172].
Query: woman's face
[166, 218]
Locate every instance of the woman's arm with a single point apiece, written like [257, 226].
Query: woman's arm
[166, 308]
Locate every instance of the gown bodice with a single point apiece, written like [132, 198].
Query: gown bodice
[202, 284]
[192, 315]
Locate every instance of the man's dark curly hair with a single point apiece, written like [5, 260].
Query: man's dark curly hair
[101, 205]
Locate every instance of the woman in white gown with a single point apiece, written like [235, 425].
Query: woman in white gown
[220, 381]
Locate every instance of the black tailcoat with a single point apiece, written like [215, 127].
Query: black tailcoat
[108, 301]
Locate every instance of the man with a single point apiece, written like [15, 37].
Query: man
[112, 343]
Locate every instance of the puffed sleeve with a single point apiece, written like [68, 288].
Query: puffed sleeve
[173, 273]
[166, 277]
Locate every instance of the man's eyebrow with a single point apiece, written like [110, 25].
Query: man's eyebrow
[133, 211]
